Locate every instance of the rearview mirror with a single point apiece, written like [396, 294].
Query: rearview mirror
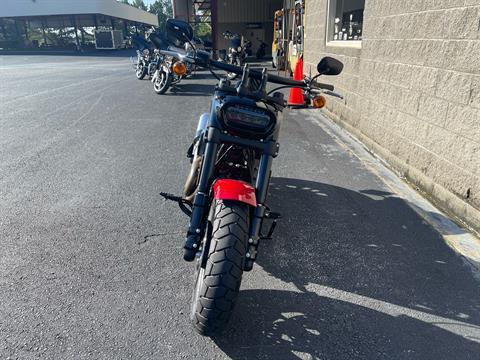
[329, 66]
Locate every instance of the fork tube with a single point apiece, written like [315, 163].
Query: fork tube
[263, 179]
[200, 201]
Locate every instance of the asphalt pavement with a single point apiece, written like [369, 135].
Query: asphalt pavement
[91, 257]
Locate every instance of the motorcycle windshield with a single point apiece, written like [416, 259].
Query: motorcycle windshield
[140, 43]
[158, 40]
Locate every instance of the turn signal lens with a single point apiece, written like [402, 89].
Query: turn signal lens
[319, 101]
[179, 68]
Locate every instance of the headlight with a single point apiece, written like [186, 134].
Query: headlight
[239, 49]
[248, 119]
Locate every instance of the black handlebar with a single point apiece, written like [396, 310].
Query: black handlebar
[256, 74]
[203, 61]
[323, 86]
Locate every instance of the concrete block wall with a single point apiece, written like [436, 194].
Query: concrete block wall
[412, 92]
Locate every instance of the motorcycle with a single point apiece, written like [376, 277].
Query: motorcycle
[144, 56]
[225, 194]
[261, 51]
[173, 65]
[236, 52]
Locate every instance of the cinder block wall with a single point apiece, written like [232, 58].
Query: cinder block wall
[412, 92]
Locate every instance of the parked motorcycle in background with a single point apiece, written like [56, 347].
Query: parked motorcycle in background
[174, 66]
[225, 194]
[261, 51]
[144, 56]
[236, 52]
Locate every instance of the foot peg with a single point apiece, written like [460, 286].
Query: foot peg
[185, 205]
[272, 216]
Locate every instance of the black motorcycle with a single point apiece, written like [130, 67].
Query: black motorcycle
[225, 194]
[236, 52]
[261, 51]
[173, 66]
[145, 56]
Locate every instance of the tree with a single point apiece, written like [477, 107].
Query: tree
[139, 4]
[163, 10]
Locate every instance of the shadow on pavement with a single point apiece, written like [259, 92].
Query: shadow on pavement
[374, 281]
[191, 89]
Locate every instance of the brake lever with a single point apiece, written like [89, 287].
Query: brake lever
[331, 93]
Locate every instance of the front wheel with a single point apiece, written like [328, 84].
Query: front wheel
[218, 282]
[162, 82]
[237, 62]
[141, 72]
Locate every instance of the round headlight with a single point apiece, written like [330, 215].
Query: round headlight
[239, 49]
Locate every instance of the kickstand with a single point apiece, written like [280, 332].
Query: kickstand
[185, 205]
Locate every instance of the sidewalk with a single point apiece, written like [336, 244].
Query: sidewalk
[458, 238]
[354, 271]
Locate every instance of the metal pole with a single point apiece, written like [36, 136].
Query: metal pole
[213, 19]
[83, 36]
[76, 32]
[25, 26]
[45, 42]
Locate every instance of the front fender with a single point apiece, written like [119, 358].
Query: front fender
[236, 190]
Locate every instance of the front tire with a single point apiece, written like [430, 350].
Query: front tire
[141, 72]
[162, 83]
[218, 283]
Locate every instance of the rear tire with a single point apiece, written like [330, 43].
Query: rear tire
[217, 285]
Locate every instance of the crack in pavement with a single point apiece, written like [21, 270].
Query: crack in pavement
[147, 237]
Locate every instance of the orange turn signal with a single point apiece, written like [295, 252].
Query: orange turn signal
[319, 101]
[179, 68]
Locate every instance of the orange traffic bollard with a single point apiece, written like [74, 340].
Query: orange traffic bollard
[296, 95]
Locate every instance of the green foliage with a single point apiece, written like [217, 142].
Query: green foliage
[139, 4]
[203, 31]
[163, 10]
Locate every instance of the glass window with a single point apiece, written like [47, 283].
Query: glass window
[345, 20]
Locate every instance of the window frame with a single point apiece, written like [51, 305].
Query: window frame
[355, 44]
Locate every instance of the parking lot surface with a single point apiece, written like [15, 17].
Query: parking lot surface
[91, 257]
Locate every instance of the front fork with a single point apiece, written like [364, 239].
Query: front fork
[201, 199]
[200, 204]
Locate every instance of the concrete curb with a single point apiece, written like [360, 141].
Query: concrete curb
[459, 239]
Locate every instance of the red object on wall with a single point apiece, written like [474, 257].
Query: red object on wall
[296, 95]
[236, 190]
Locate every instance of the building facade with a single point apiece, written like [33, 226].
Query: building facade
[412, 88]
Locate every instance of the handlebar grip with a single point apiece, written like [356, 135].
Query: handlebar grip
[323, 86]
[256, 74]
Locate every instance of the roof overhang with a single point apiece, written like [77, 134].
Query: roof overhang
[34, 8]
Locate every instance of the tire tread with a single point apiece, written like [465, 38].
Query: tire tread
[224, 268]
